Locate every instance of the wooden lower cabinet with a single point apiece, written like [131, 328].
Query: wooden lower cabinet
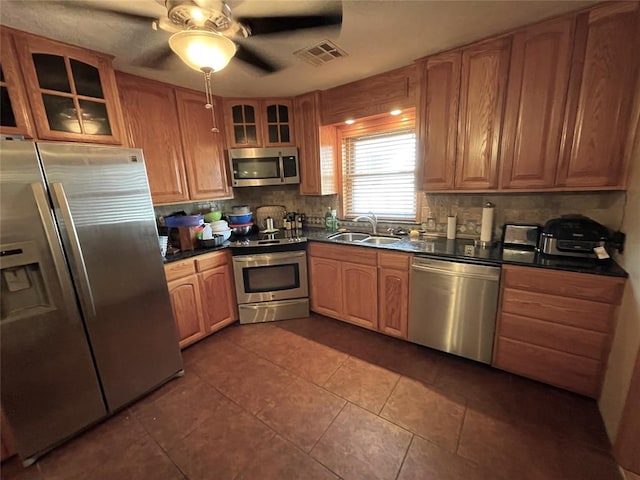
[360, 283]
[203, 302]
[361, 286]
[557, 327]
[187, 309]
[325, 283]
[393, 293]
[218, 298]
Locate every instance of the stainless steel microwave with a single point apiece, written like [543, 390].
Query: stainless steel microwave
[251, 167]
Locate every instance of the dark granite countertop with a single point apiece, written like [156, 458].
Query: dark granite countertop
[181, 255]
[459, 249]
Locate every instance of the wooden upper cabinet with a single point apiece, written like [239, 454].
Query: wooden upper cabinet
[278, 122]
[375, 95]
[151, 116]
[534, 114]
[204, 156]
[243, 122]
[252, 122]
[72, 91]
[607, 44]
[482, 92]
[438, 121]
[15, 116]
[317, 148]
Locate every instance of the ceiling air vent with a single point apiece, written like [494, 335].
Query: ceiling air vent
[320, 53]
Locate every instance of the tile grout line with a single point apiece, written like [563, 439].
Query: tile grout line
[321, 437]
[328, 427]
[404, 458]
[347, 357]
[464, 419]
[166, 453]
[395, 385]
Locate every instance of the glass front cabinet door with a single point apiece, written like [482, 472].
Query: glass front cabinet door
[72, 91]
[15, 116]
[278, 122]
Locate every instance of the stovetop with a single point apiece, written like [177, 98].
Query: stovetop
[267, 239]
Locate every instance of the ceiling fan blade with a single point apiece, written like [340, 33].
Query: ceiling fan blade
[269, 25]
[251, 57]
[105, 10]
[158, 58]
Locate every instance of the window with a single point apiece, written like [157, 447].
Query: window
[379, 171]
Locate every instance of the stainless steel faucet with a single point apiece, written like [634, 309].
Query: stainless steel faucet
[371, 218]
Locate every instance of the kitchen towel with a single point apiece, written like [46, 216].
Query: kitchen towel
[486, 231]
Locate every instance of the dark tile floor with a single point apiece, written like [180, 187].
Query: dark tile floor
[319, 399]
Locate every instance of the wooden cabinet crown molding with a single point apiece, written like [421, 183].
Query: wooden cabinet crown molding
[28, 44]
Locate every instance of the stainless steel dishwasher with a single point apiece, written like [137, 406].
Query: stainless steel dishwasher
[453, 307]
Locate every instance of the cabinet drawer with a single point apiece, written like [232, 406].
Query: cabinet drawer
[397, 261]
[553, 335]
[596, 288]
[344, 253]
[211, 260]
[179, 269]
[567, 311]
[572, 372]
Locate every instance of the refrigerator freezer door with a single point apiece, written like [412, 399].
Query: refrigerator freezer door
[103, 206]
[49, 385]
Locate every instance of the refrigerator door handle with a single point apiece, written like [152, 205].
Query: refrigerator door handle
[42, 203]
[76, 251]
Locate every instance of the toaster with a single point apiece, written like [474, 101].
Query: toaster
[520, 236]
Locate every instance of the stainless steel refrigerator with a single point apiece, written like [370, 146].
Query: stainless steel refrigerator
[86, 319]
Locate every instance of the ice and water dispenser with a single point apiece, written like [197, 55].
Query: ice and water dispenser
[22, 285]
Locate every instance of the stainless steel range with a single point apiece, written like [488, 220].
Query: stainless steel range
[270, 273]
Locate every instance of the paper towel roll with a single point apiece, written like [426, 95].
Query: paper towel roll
[451, 227]
[486, 231]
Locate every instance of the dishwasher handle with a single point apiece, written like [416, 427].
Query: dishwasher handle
[493, 273]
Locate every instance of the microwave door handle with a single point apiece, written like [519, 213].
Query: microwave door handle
[76, 250]
[281, 161]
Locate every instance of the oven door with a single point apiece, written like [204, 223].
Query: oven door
[270, 276]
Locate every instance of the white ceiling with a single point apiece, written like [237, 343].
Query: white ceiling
[377, 35]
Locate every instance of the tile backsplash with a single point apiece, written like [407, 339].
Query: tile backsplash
[603, 207]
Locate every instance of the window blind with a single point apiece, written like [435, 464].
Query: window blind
[379, 174]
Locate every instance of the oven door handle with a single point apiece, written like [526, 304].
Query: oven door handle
[268, 256]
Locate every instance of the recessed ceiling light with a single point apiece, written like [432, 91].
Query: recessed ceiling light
[351, 121]
[395, 112]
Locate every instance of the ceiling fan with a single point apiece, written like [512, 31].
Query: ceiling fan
[214, 18]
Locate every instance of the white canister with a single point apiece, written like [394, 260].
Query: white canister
[269, 223]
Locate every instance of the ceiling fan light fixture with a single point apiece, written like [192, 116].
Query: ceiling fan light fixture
[201, 49]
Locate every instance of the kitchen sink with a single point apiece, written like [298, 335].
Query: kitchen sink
[350, 237]
[380, 240]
